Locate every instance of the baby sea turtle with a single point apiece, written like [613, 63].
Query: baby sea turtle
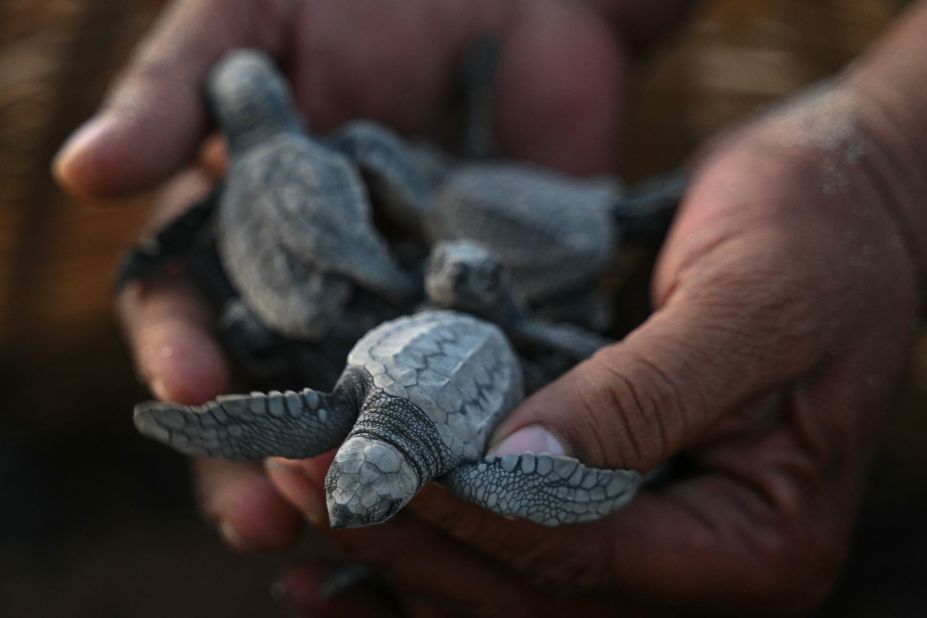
[465, 276]
[555, 233]
[265, 355]
[417, 401]
[294, 225]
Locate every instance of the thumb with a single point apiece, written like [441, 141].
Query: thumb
[152, 121]
[637, 402]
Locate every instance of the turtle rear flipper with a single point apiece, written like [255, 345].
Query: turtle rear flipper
[294, 425]
[174, 240]
[547, 489]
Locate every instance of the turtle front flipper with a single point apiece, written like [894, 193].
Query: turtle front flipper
[401, 177]
[646, 212]
[289, 424]
[548, 490]
[575, 342]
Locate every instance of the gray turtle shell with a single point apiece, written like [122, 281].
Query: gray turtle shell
[275, 283]
[294, 229]
[458, 370]
[295, 232]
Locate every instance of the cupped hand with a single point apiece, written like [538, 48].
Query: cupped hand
[786, 300]
[558, 91]
[558, 96]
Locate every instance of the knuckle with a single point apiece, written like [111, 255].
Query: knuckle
[632, 409]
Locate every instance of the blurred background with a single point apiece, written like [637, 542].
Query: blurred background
[95, 521]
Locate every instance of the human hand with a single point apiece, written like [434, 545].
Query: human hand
[786, 296]
[558, 93]
[558, 101]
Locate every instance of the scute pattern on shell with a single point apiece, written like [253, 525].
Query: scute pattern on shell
[458, 370]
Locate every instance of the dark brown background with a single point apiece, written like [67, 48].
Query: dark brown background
[94, 521]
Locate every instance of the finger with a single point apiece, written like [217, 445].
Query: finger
[244, 506]
[763, 528]
[302, 483]
[735, 309]
[761, 500]
[557, 93]
[763, 524]
[305, 586]
[561, 87]
[405, 550]
[214, 157]
[170, 330]
[153, 119]
[169, 324]
[709, 544]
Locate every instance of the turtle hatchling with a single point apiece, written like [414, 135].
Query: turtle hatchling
[555, 233]
[418, 400]
[464, 275]
[294, 225]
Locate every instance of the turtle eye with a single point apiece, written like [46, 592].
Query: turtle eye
[490, 276]
[461, 277]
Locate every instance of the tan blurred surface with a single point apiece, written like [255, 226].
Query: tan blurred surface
[112, 532]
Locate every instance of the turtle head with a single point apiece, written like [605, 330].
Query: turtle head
[250, 99]
[367, 483]
[464, 275]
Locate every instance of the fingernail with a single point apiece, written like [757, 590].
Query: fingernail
[231, 536]
[82, 139]
[531, 439]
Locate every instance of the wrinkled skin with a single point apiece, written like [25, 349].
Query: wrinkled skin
[785, 297]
